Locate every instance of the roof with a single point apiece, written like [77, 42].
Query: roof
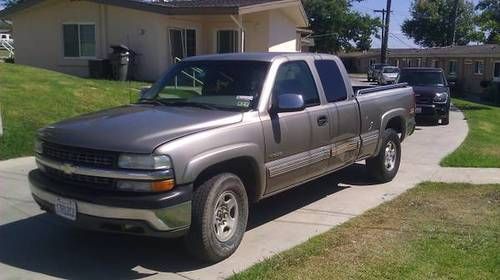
[470, 50]
[184, 7]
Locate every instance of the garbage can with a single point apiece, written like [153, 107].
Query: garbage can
[120, 61]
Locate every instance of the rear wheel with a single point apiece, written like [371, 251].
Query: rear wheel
[219, 218]
[384, 167]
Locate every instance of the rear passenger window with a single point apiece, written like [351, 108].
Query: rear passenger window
[295, 78]
[332, 80]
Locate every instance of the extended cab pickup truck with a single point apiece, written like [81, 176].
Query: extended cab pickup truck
[212, 135]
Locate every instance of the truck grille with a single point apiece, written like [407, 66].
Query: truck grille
[81, 180]
[424, 100]
[78, 156]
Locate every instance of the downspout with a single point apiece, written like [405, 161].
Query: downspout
[239, 22]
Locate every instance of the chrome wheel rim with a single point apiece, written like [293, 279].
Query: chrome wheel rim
[225, 218]
[390, 156]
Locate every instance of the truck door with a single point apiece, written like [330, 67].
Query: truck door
[344, 112]
[292, 155]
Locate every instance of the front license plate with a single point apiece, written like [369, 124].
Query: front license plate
[418, 110]
[65, 208]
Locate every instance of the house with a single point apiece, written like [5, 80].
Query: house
[467, 65]
[63, 35]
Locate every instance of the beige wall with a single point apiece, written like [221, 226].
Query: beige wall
[39, 42]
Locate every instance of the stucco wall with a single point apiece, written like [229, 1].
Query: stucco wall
[39, 36]
[282, 33]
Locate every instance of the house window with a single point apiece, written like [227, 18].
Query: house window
[496, 71]
[452, 67]
[478, 67]
[419, 62]
[182, 43]
[79, 40]
[227, 41]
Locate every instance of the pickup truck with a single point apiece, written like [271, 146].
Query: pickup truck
[214, 134]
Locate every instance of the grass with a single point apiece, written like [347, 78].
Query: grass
[434, 231]
[481, 148]
[31, 98]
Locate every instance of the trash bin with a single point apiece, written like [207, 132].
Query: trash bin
[121, 58]
[100, 69]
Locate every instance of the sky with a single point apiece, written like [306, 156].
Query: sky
[401, 11]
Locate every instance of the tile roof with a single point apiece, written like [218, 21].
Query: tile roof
[207, 3]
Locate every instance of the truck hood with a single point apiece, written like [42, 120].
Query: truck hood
[138, 128]
[429, 91]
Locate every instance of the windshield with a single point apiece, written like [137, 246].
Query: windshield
[226, 85]
[391, 70]
[421, 78]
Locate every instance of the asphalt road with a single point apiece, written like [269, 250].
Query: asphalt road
[34, 245]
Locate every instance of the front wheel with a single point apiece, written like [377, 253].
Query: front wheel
[219, 218]
[384, 167]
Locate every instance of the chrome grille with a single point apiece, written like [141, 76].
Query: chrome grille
[78, 156]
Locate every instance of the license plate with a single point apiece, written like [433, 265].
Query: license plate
[65, 208]
[418, 110]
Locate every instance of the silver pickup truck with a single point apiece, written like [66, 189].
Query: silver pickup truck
[214, 134]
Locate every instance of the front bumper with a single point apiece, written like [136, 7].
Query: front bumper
[432, 110]
[167, 214]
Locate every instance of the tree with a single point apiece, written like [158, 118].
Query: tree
[489, 20]
[431, 23]
[338, 28]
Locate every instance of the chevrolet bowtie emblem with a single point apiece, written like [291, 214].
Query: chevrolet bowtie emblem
[68, 168]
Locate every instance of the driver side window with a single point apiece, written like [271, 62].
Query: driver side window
[295, 78]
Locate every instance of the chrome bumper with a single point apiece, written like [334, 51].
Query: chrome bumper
[172, 218]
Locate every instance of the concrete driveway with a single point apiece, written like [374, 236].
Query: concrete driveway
[34, 245]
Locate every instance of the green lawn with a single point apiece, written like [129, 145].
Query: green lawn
[31, 98]
[481, 148]
[434, 231]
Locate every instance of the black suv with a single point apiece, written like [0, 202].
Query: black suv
[432, 92]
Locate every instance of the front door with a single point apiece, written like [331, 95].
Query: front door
[182, 43]
[293, 140]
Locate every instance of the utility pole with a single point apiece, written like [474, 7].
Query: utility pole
[383, 55]
[454, 23]
[383, 11]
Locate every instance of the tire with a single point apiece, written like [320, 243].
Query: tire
[202, 241]
[446, 119]
[378, 168]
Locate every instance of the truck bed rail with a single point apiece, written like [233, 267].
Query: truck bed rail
[379, 88]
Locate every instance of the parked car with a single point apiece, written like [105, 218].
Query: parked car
[214, 134]
[373, 71]
[432, 92]
[387, 75]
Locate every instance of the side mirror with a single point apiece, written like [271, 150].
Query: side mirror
[290, 103]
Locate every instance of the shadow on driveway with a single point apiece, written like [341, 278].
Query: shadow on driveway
[46, 245]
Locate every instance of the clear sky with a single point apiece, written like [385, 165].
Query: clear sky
[401, 11]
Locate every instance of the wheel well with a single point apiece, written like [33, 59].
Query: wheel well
[396, 123]
[244, 167]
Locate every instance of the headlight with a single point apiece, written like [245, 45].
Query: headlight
[141, 186]
[441, 97]
[144, 162]
[38, 146]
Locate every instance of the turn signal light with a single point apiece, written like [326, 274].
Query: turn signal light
[163, 186]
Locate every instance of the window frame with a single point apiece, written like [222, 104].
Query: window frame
[477, 63]
[216, 40]
[495, 78]
[311, 75]
[455, 62]
[79, 41]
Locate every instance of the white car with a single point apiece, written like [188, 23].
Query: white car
[388, 75]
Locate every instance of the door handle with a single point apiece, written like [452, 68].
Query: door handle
[322, 120]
